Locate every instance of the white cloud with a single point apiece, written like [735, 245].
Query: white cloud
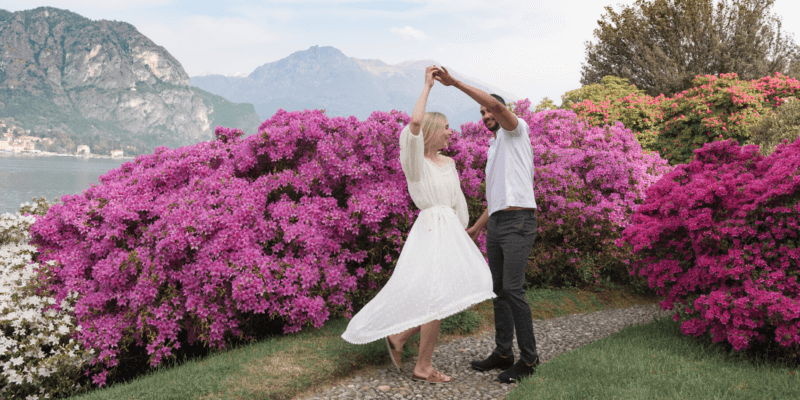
[410, 33]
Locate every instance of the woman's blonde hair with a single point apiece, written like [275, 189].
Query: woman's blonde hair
[432, 122]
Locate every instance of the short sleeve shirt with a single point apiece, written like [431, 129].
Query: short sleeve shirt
[509, 169]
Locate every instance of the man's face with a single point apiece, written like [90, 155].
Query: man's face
[488, 120]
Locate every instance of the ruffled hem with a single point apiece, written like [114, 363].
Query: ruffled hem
[453, 308]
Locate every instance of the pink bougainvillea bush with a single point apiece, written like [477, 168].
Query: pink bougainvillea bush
[718, 238]
[298, 221]
[587, 181]
[302, 222]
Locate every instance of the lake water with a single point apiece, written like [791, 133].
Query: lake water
[23, 177]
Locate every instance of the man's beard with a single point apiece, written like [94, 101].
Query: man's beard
[493, 129]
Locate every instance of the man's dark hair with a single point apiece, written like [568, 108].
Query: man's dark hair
[500, 99]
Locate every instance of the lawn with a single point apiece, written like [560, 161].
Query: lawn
[648, 361]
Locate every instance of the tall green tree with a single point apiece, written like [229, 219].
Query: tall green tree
[661, 45]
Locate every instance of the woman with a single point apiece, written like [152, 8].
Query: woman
[440, 270]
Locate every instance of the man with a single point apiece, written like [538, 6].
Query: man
[511, 220]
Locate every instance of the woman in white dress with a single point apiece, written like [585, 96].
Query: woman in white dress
[440, 271]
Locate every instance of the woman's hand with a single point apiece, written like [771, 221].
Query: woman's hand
[429, 79]
[473, 234]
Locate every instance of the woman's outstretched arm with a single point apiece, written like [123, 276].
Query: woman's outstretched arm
[419, 109]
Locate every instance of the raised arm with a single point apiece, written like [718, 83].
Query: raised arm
[419, 109]
[504, 117]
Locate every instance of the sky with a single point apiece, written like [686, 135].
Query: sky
[532, 49]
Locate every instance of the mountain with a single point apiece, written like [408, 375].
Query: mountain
[104, 84]
[325, 78]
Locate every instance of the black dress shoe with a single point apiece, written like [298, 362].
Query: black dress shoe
[494, 361]
[518, 371]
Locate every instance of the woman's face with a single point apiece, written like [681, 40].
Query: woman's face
[444, 136]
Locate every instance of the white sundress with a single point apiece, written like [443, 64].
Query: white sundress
[440, 271]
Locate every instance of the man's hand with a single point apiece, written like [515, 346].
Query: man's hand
[444, 77]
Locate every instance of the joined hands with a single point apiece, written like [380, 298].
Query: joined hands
[434, 73]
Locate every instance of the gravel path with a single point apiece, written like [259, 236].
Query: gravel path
[553, 337]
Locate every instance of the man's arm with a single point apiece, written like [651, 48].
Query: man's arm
[480, 224]
[504, 117]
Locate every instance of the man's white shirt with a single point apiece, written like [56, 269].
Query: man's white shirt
[509, 169]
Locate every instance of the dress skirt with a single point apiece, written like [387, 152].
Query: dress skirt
[440, 272]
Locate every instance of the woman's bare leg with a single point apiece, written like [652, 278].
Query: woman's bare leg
[399, 340]
[427, 342]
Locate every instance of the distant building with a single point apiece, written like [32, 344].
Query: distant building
[84, 149]
[28, 139]
[5, 145]
[116, 154]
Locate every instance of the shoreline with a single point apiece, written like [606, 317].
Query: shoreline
[49, 154]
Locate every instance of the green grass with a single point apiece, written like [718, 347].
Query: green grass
[275, 368]
[649, 361]
[655, 361]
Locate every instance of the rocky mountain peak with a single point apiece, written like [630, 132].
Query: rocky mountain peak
[305, 65]
[101, 79]
[52, 49]
[325, 78]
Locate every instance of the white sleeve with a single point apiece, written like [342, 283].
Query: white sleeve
[461, 209]
[521, 126]
[412, 150]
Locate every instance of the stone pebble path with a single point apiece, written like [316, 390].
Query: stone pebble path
[553, 337]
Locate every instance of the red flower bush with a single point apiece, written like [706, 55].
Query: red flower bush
[617, 100]
[715, 109]
[718, 237]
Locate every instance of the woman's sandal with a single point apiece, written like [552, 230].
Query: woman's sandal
[435, 377]
[395, 355]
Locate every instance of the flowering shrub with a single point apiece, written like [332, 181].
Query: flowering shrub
[775, 127]
[617, 100]
[715, 109]
[718, 237]
[298, 221]
[38, 357]
[301, 221]
[587, 183]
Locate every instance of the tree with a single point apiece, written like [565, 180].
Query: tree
[781, 124]
[545, 104]
[609, 88]
[661, 45]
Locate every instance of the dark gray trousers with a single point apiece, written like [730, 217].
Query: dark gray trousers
[509, 241]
